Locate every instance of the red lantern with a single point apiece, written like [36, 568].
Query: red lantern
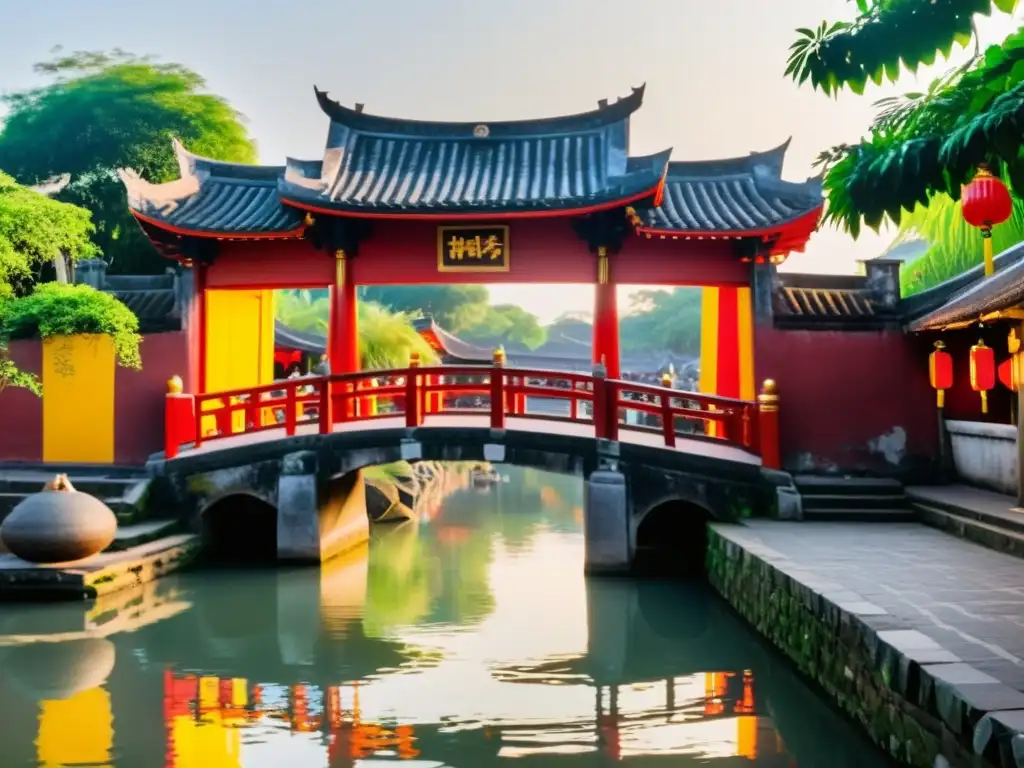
[986, 202]
[940, 372]
[983, 371]
[1009, 376]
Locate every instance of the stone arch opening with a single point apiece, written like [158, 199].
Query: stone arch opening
[240, 528]
[671, 540]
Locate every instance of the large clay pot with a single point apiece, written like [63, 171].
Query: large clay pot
[58, 526]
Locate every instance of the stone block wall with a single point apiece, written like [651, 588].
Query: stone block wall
[902, 689]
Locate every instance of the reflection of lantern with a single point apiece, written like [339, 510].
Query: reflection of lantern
[940, 372]
[983, 371]
[986, 202]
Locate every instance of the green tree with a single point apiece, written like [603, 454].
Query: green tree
[105, 111]
[34, 230]
[454, 307]
[663, 320]
[386, 338]
[508, 324]
[922, 144]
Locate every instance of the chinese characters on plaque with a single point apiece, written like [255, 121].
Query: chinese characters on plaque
[473, 249]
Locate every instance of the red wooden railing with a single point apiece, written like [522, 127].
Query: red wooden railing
[418, 392]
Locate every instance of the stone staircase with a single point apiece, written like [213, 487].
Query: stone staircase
[853, 499]
[123, 491]
[986, 518]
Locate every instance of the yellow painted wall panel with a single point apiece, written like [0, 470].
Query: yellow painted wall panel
[78, 399]
[239, 344]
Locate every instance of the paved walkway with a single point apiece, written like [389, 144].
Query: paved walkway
[711, 448]
[967, 598]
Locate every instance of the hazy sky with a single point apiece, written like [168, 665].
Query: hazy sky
[713, 73]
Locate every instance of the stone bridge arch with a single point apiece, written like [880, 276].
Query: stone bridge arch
[312, 481]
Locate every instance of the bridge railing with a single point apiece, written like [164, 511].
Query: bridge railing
[418, 393]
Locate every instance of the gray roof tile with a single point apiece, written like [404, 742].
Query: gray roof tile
[736, 196]
[215, 197]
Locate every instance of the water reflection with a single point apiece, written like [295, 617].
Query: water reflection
[458, 642]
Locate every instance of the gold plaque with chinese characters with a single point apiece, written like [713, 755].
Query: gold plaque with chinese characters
[475, 248]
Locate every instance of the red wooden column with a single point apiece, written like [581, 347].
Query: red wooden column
[343, 326]
[197, 331]
[606, 317]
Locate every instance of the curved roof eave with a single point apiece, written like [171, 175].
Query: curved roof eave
[605, 114]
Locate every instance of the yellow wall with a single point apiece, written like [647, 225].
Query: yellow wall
[76, 731]
[78, 399]
[239, 339]
[239, 344]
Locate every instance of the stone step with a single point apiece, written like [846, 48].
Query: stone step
[850, 486]
[860, 515]
[998, 537]
[1005, 519]
[123, 502]
[853, 501]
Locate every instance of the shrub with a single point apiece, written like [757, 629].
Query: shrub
[56, 309]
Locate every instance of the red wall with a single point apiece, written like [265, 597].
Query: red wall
[542, 251]
[846, 397]
[21, 412]
[138, 405]
[139, 396]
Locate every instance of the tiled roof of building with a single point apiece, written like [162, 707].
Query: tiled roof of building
[825, 302]
[985, 298]
[734, 196]
[214, 197]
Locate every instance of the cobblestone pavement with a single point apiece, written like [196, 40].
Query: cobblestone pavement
[967, 598]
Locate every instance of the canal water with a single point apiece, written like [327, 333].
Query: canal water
[463, 640]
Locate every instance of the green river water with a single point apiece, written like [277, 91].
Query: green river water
[466, 640]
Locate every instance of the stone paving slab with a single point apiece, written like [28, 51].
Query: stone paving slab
[942, 618]
[964, 497]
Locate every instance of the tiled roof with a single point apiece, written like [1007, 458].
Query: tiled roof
[987, 296]
[214, 197]
[824, 302]
[452, 345]
[384, 164]
[289, 338]
[734, 196]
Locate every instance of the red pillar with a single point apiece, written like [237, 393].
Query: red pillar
[198, 329]
[343, 324]
[606, 317]
[343, 331]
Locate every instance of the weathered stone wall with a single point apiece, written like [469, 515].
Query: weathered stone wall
[892, 682]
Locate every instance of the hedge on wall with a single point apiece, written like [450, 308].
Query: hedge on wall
[58, 309]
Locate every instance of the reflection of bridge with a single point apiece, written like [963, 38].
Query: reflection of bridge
[264, 440]
[220, 706]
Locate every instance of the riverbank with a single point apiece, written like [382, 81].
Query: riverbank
[916, 635]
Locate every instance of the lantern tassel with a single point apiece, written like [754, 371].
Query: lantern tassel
[940, 397]
[984, 401]
[990, 264]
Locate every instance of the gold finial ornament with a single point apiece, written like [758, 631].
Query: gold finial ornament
[499, 355]
[308, 220]
[768, 399]
[414, 359]
[175, 386]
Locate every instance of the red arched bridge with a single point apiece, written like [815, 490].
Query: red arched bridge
[496, 397]
[648, 453]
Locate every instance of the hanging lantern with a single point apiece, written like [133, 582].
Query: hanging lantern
[983, 371]
[940, 372]
[986, 202]
[1010, 369]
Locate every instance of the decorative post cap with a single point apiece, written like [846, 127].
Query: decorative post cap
[499, 355]
[600, 371]
[769, 387]
[175, 386]
[414, 359]
[666, 380]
